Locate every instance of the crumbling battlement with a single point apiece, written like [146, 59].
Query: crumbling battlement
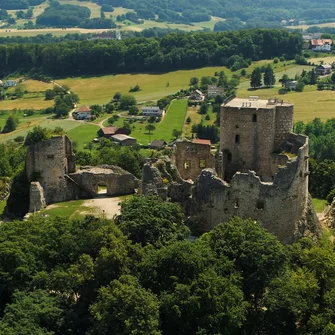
[51, 171]
[280, 205]
[191, 158]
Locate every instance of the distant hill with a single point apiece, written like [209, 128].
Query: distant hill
[19, 4]
[250, 12]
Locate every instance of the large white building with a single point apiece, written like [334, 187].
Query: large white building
[153, 111]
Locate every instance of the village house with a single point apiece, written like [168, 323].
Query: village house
[10, 83]
[157, 144]
[213, 91]
[197, 96]
[124, 140]
[83, 113]
[323, 69]
[291, 85]
[108, 132]
[152, 111]
[321, 45]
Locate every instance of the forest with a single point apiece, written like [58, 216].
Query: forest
[140, 274]
[172, 52]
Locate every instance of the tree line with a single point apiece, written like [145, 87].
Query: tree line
[172, 52]
[140, 274]
[322, 151]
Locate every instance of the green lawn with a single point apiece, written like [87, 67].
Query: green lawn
[68, 209]
[100, 90]
[319, 204]
[83, 134]
[174, 119]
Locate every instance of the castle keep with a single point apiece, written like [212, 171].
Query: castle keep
[261, 172]
[51, 171]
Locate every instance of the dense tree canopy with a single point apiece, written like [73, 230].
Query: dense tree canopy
[85, 276]
[173, 51]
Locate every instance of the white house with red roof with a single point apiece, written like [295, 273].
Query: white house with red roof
[321, 45]
[82, 113]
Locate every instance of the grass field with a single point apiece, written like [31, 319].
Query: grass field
[93, 7]
[306, 26]
[326, 59]
[174, 119]
[83, 134]
[68, 209]
[100, 90]
[193, 113]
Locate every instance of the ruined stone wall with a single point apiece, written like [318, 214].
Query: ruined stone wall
[47, 163]
[280, 206]
[249, 135]
[191, 158]
[117, 181]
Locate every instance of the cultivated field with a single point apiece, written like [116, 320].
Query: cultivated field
[99, 90]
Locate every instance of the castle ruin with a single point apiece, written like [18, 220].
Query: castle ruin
[51, 171]
[261, 172]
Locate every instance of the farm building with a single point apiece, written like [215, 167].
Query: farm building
[83, 113]
[323, 69]
[321, 45]
[124, 140]
[108, 132]
[152, 111]
[157, 144]
[213, 90]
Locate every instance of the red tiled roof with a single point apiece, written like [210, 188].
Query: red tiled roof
[109, 130]
[83, 109]
[321, 42]
[198, 141]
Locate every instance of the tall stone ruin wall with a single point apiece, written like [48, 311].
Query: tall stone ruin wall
[47, 162]
[51, 171]
[281, 206]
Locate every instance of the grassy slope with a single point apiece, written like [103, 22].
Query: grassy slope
[174, 119]
[83, 134]
[153, 86]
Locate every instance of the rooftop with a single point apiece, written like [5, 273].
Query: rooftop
[121, 137]
[109, 130]
[321, 42]
[254, 102]
[83, 109]
[152, 108]
[199, 141]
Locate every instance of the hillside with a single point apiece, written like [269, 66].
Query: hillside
[219, 15]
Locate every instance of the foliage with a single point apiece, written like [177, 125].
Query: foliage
[209, 132]
[124, 307]
[11, 124]
[256, 78]
[149, 220]
[58, 15]
[322, 151]
[150, 127]
[126, 101]
[171, 52]
[269, 76]
[85, 276]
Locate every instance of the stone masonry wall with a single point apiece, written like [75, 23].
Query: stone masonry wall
[249, 136]
[47, 162]
[280, 205]
[117, 181]
[191, 158]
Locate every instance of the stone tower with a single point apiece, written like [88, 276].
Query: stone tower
[252, 130]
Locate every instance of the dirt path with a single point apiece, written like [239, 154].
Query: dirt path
[105, 206]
